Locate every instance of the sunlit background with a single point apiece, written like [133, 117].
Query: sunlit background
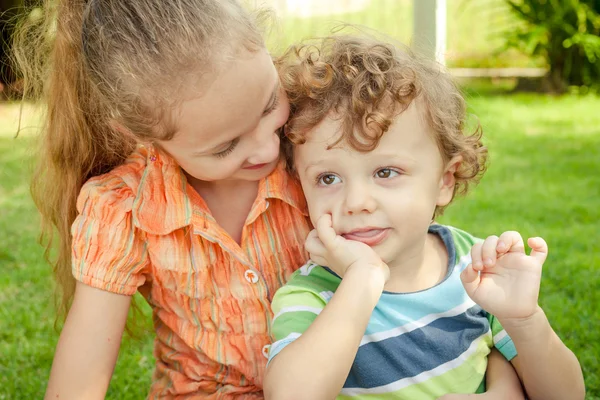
[530, 72]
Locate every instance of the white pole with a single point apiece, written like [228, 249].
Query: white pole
[429, 28]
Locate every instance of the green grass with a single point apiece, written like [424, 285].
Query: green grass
[543, 180]
[27, 335]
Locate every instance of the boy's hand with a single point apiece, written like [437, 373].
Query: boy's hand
[339, 254]
[502, 278]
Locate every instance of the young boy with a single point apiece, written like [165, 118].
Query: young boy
[392, 305]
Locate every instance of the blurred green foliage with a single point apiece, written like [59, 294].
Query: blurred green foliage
[566, 34]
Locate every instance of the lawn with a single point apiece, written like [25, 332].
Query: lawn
[543, 179]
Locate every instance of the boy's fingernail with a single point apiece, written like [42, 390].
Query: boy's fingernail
[501, 245]
[488, 261]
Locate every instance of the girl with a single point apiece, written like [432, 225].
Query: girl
[185, 201]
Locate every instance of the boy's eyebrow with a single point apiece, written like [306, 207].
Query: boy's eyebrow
[312, 165]
[269, 105]
[406, 159]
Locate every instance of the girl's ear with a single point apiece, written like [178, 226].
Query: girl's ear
[448, 181]
[122, 130]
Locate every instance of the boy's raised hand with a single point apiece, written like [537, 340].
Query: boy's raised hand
[339, 254]
[502, 278]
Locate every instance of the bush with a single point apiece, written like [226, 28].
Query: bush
[9, 10]
[566, 34]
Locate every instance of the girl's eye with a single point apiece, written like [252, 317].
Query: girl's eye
[328, 179]
[386, 173]
[273, 106]
[228, 150]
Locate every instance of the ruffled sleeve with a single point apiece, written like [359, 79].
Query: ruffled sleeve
[108, 252]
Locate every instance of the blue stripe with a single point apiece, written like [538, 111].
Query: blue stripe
[380, 363]
[507, 348]
[394, 311]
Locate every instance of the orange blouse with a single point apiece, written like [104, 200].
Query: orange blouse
[143, 227]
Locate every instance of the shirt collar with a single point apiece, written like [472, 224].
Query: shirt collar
[163, 201]
[280, 185]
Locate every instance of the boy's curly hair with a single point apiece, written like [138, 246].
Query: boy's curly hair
[367, 83]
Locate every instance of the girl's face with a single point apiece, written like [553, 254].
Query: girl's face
[230, 131]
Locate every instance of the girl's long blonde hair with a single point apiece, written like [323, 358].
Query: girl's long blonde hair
[104, 67]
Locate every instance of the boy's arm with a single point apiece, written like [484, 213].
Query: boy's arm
[501, 379]
[547, 368]
[316, 365]
[505, 281]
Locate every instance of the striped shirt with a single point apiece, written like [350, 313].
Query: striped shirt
[418, 345]
[142, 227]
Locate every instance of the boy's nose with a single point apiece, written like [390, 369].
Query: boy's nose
[359, 200]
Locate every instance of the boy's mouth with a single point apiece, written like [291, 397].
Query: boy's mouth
[368, 236]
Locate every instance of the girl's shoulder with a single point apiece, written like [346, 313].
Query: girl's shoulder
[115, 190]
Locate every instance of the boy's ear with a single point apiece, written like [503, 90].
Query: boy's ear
[448, 181]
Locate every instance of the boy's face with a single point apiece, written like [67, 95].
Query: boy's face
[385, 198]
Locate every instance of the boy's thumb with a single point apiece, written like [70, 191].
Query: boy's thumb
[539, 248]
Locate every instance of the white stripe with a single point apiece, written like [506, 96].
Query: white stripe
[281, 344]
[499, 336]
[286, 310]
[422, 377]
[463, 262]
[289, 338]
[306, 269]
[326, 295]
[414, 325]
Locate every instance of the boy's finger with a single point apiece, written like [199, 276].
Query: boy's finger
[488, 251]
[476, 259]
[314, 246]
[318, 260]
[512, 242]
[470, 279]
[325, 231]
[539, 248]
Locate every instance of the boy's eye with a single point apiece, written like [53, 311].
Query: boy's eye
[386, 173]
[328, 179]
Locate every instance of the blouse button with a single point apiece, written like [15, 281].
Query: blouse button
[265, 350]
[251, 276]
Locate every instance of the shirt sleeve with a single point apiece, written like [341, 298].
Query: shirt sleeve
[502, 341]
[107, 250]
[295, 308]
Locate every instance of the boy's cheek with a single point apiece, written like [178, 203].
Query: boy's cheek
[317, 210]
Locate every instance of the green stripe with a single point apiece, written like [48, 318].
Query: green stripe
[465, 378]
[295, 322]
[463, 241]
[290, 296]
[317, 281]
